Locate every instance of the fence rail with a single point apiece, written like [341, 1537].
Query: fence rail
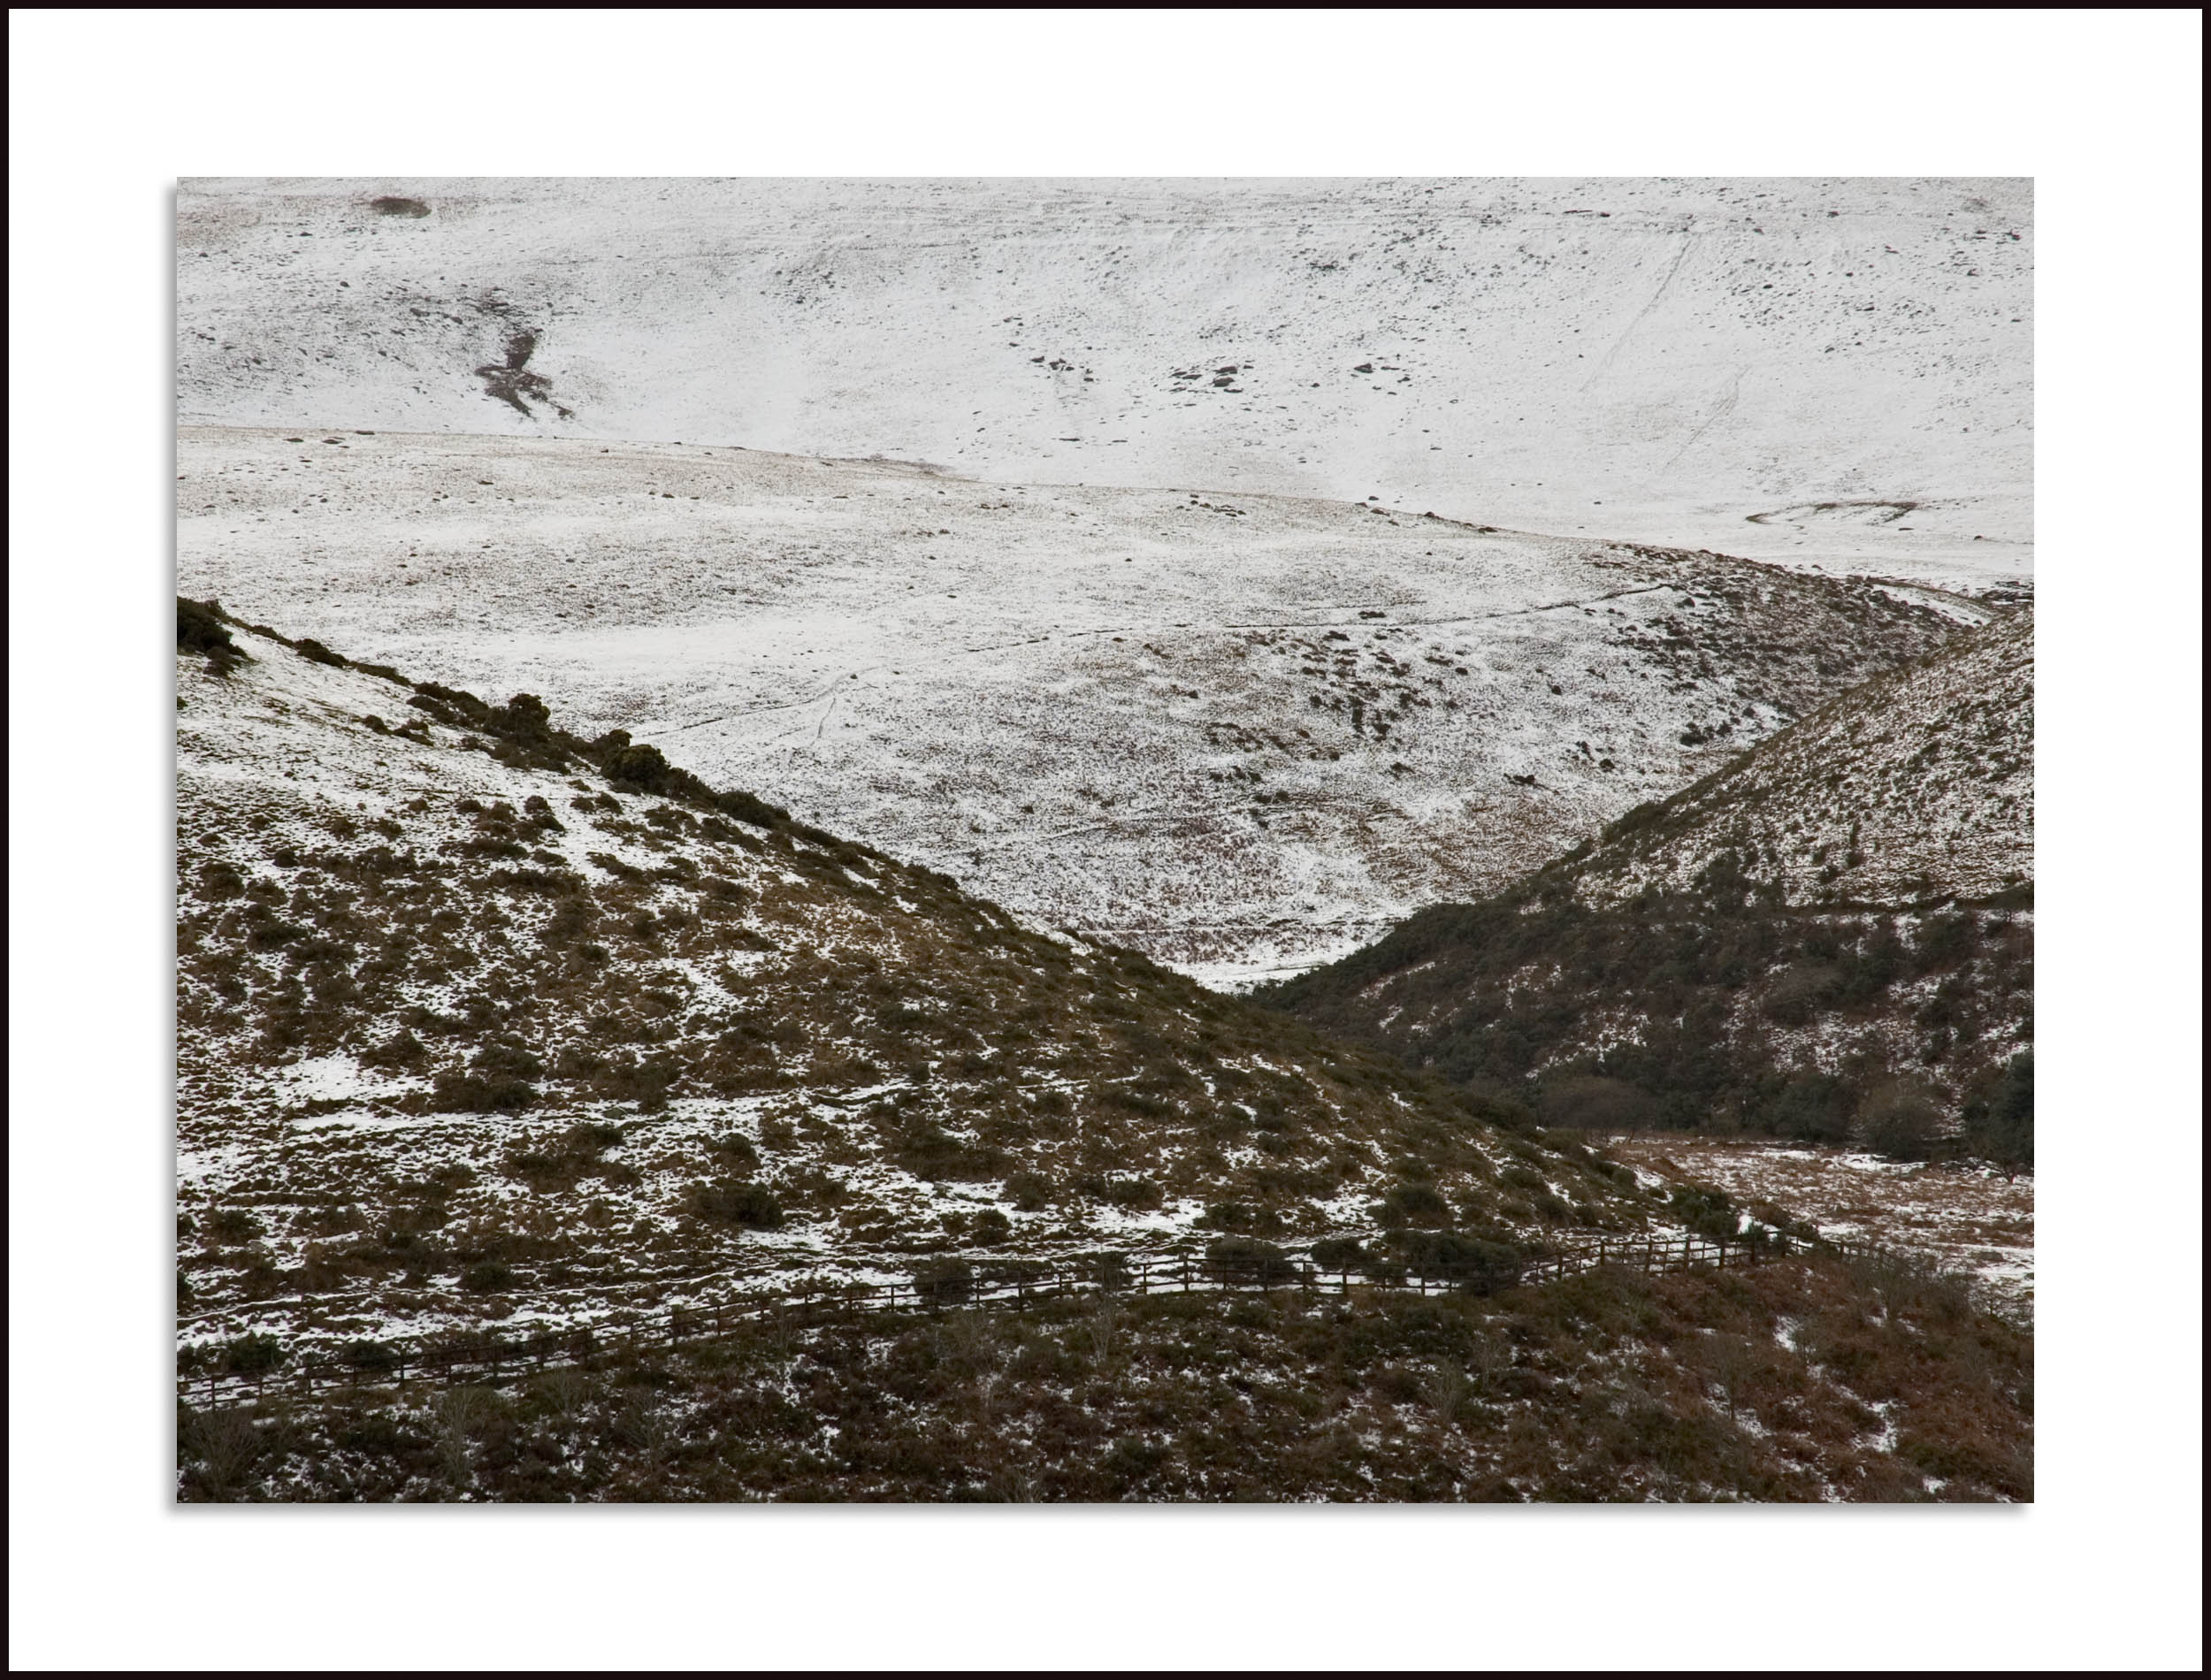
[1015, 1284]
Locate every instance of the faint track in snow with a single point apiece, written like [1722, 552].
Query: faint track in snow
[1726, 408]
[1665, 285]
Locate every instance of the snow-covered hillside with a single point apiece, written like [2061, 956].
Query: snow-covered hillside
[1918, 786]
[1242, 733]
[1830, 372]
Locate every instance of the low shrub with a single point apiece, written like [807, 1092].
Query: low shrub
[1414, 1204]
[1341, 1254]
[1135, 1192]
[467, 1094]
[1248, 1260]
[749, 1206]
[1475, 1264]
[1708, 1212]
[249, 1356]
[943, 1281]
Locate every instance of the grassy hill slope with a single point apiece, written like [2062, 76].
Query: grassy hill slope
[481, 1021]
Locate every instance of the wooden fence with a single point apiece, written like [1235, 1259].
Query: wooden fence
[1010, 1284]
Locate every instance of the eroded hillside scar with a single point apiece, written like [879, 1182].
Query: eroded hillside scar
[512, 383]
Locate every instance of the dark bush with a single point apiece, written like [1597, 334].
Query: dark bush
[1802, 991]
[750, 1206]
[1030, 1192]
[1593, 1103]
[234, 1224]
[1472, 1263]
[370, 1356]
[647, 1083]
[927, 1152]
[1341, 1254]
[308, 647]
[1235, 1216]
[943, 1281]
[507, 1060]
[989, 1227]
[595, 1137]
[746, 809]
[1133, 1192]
[1413, 1204]
[1899, 1122]
[1710, 1213]
[401, 1050]
[1108, 1268]
[642, 767]
[466, 1094]
[201, 629]
[738, 1146]
[488, 1275]
[1999, 1124]
[250, 1354]
[1816, 1107]
[1248, 1260]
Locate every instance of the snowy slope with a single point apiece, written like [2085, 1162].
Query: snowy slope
[1919, 785]
[471, 1027]
[1831, 372]
[1242, 733]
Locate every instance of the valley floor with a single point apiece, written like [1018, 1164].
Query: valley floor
[1972, 1220]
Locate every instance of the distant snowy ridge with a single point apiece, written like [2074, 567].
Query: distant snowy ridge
[1830, 372]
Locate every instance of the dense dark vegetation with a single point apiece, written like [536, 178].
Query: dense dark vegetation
[1697, 1010]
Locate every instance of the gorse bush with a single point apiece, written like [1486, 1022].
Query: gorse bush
[1591, 1102]
[1708, 1212]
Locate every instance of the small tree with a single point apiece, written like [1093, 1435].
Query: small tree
[2000, 1126]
